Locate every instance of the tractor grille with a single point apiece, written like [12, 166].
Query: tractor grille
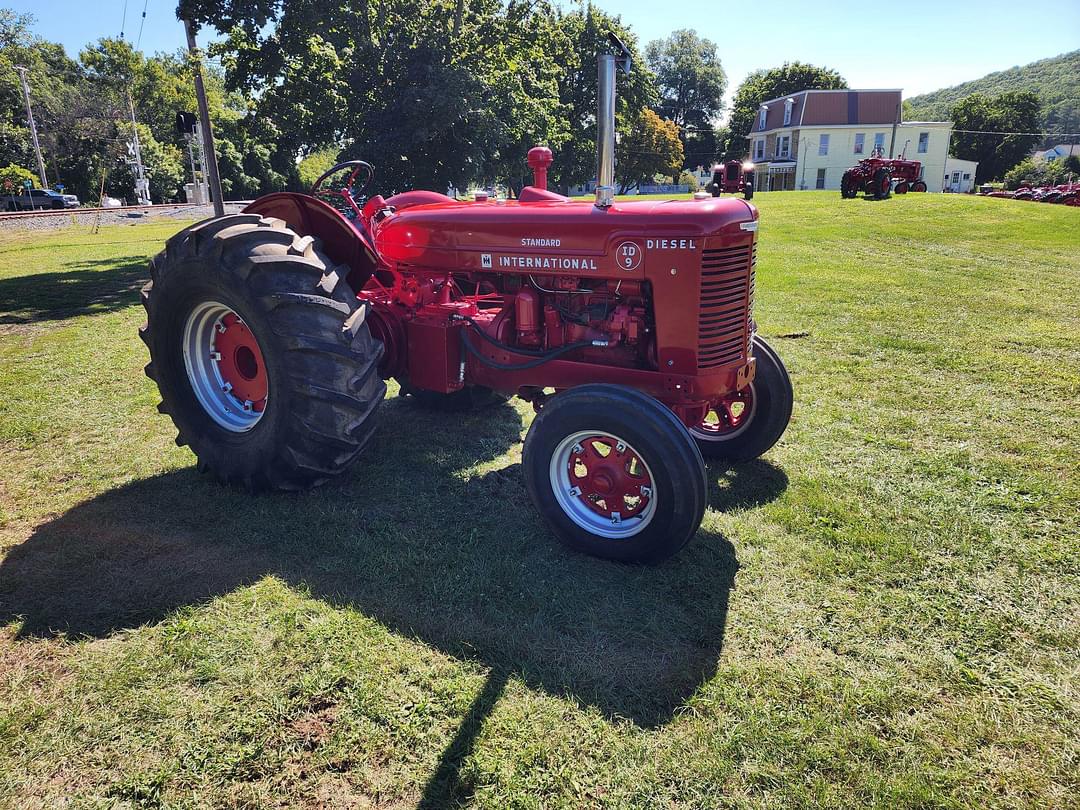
[727, 294]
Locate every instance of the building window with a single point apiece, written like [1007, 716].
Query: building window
[879, 142]
[787, 111]
[860, 139]
[783, 146]
[761, 117]
[924, 142]
[820, 178]
[823, 145]
[759, 149]
[967, 175]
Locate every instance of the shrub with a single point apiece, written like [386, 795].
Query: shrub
[12, 178]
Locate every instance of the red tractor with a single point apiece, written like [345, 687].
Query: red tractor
[879, 176]
[628, 326]
[732, 177]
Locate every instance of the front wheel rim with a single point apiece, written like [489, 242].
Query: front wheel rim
[225, 367]
[603, 484]
[727, 418]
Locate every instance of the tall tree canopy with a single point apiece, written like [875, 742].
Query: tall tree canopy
[691, 82]
[651, 147]
[1008, 112]
[689, 78]
[434, 93]
[761, 85]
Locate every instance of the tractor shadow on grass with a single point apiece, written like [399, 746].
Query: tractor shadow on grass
[82, 288]
[419, 539]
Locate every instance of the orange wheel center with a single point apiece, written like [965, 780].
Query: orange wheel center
[239, 361]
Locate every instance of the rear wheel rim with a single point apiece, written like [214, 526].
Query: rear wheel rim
[729, 417]
[225, 367]
[603, 484]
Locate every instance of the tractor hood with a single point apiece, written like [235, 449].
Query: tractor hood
[560, 235]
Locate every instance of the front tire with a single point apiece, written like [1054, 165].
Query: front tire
[615, 474]
[847, 186]
[261, 353]
[745, 425]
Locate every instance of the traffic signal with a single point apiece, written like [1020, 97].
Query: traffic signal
[185, 123]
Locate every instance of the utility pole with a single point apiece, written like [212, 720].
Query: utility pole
[142, 187]
[209, 155]
[33, 127]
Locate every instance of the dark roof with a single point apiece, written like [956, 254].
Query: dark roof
[825, 107]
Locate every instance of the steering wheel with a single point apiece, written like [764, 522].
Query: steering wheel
[347, 194]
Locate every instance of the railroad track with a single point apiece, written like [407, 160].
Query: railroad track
[82, 210]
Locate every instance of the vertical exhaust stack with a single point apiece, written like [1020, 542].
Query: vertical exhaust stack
[605, 120]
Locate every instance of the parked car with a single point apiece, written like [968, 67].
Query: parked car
[36, 198]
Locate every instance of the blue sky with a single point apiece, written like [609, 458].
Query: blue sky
[916, 45]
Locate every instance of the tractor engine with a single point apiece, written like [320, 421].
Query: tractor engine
[531, 295]
[596, 320]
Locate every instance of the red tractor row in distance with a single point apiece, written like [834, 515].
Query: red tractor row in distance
[628, 326]
[732, 177]
[879, 176]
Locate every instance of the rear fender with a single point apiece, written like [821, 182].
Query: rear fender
[344, 242]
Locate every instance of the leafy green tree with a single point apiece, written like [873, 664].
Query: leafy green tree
[432, 93]
[13, 178]
[690, 81]
[689, 78]
[584, 35]
[1030, 172]
[316, 164]
[762, 85]
[996, 153]
[651, 147]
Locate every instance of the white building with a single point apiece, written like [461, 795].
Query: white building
[960, 175]
[808, 139]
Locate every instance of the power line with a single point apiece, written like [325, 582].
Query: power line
[142, 22]
[1042, 134]
[123, 20]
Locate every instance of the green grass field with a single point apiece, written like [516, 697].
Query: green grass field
[884, 611]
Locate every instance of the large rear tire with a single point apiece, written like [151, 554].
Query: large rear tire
[261, 353]
[745, 425]
[881, 183]
[614, 473]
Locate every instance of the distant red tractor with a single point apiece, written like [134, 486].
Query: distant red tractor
[627, 325]
[879, 176]
[732, 177]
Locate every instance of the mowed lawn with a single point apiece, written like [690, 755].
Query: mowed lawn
[884, 611]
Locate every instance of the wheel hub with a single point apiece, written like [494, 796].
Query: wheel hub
[225, 366]
[728, 417]
[239, 361]
[608, 478]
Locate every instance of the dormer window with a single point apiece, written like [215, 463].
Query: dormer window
[761, 116]
[787, 111]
